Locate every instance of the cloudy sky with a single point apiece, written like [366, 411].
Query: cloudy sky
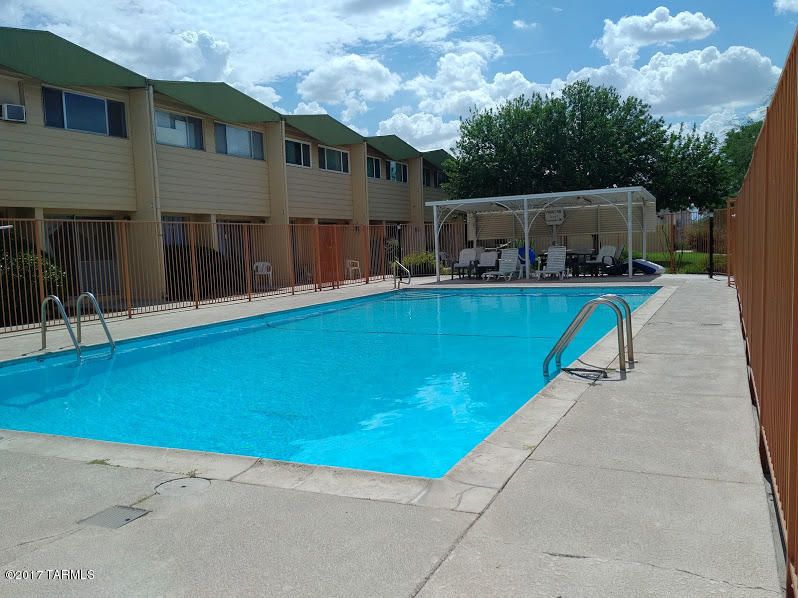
[413, 67]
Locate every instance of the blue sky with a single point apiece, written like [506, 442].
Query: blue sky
[413, 67]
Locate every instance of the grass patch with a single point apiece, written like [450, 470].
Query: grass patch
[99, 462]
[687, 262]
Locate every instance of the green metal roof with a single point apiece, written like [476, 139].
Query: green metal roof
[217, 99]
[393, 147]
[324, 128]
[437, 157]
[52, 59]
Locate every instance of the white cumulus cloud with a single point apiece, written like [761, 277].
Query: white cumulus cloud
[259, 41]
[422, 130]
[696, 82]
[309, 108]
[622, 40]
[719, 123]
[786, 5]
[351, 80]
[460, 84]
[520, 24]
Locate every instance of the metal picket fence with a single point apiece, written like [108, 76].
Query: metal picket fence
[136, 267]
[764, 245]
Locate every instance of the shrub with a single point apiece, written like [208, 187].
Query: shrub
[420, 263]
[20, 290]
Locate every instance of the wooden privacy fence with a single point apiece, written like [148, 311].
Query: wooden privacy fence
[764, 233]
[136, 267]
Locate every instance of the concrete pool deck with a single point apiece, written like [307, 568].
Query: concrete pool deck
[651, 485]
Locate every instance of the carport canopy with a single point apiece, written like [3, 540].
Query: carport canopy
[527, 208]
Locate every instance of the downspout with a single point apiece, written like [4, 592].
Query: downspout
[156, 180]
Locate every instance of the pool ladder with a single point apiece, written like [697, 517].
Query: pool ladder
[76, 340]
[626, 352]
[397, 278]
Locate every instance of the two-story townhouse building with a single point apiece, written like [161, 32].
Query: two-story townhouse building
[99, 141]
[394, 172]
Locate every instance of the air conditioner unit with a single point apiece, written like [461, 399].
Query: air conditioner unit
[13, 112]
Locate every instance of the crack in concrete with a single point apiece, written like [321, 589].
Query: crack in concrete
[251, 465]
[662, 568]
[57, 536]
[642, 472]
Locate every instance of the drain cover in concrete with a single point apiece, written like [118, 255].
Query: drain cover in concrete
[114, 517]
[183, 487]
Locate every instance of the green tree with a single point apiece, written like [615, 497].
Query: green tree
[586, 138]
[737, 149]
[690, 169]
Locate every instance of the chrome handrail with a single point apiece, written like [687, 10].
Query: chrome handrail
[630, 350]
[93, 300]
[62, 313]
[574, 327]
[397, 280]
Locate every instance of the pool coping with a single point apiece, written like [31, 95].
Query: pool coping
[469, 486]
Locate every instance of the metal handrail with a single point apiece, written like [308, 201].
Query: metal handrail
[630, 350]
[93, 300]
[64, 317]
[574, 327]
[397, 280]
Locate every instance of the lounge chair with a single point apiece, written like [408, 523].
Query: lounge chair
[606, 257]
[487, 262]
[464, 262]
[555, 262]
[508, 267]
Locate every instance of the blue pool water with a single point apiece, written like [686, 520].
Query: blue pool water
[403, 383]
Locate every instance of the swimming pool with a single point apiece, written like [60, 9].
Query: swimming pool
[405, 382]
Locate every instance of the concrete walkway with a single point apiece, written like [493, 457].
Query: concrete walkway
[651, 486]
[648, 486]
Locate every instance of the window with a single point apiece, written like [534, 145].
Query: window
[396, 171]
[427, 177]
[297, 153]
[79, 112]
[235, 141]
[333, 159]
[438, 179]
[175, 129]
[373, 167]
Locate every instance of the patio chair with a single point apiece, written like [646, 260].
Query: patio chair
[263, 272]
[464, 262]
[508, 267]
[555, 262]
[353, 266]
[605, 257]
[487, 261]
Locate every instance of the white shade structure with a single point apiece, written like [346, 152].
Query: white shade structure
[635, 207]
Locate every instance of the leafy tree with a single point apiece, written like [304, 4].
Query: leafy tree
[737, 149]
[690, 169]
[586, 138]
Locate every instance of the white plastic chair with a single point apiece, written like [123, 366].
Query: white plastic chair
[555, 262]
[263, 271]
[467, 256]
[508, 267]
[353, 266]
[487, 260]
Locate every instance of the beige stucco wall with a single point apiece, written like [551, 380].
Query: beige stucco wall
[316, 193]
[68, 171]
[388, 200]
[432, 194]
[578, 228]
[203, 182]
